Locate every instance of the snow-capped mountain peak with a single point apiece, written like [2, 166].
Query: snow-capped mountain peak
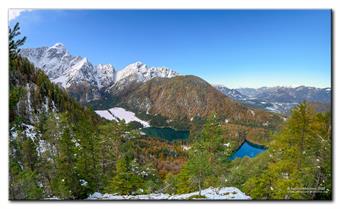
[131, 69]
[68, 70]
[59, 46]
[57, 50]
[141, 72]
[62, 67]
[138, 65]
[105, 69]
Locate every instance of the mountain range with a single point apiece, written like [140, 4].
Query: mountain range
[169, 94]
[84, 80]
[280, 99]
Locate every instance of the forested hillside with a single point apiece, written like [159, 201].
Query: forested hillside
[59, 149]
[298, 163]
[185, 101]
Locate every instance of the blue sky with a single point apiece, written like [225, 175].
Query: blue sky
[237, 48]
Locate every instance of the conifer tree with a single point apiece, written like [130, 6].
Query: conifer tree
[205, 158]
[295, 157]
[15, 44]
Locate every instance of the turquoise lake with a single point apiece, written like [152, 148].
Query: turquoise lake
[247, 149]
[168, 134]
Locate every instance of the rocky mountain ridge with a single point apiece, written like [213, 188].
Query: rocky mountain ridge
[279, 99]
[84, 80]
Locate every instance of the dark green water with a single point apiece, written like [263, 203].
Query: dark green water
[168, 134]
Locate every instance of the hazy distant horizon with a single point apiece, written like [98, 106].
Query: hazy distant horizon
[243, 87]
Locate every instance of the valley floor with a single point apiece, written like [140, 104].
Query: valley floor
[224, 193]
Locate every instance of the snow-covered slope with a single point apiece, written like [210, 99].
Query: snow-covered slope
[141, 72]
[66, 69]
[137, 73]
[105, 75]
[116, 113]
[106, 114]
[225, 193]
[86, 80]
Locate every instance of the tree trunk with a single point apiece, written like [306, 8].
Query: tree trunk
[199, 188]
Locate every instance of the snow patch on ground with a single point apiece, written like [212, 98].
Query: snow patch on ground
[225, 193]
[227, 144]
[185, 148]
[29, 131]
[128, 116]
[42, 147]
[121, 114]
[83, 182]
[105, 114]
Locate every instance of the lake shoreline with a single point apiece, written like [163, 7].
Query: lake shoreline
[247, 148]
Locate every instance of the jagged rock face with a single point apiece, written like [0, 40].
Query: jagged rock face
[85, 81]
[184, 97]
[76, 74]
[135, 74]
[141, 72]
[105, 74]
[63, 68]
